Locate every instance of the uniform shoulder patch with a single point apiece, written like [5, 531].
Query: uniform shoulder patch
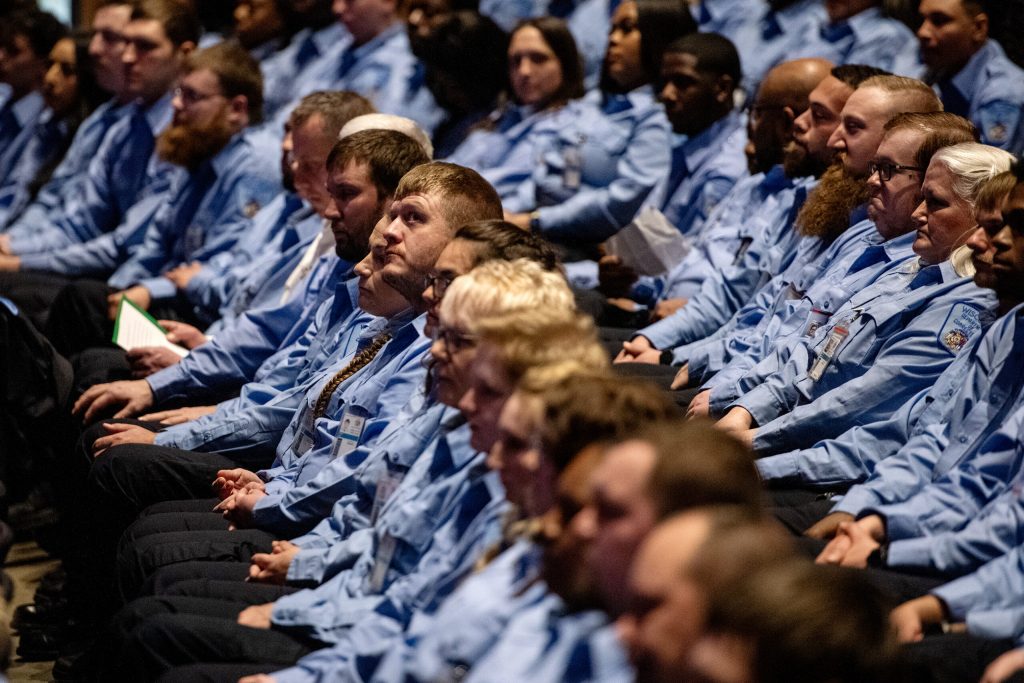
[962, 324]
[252, 208]
[998, 121]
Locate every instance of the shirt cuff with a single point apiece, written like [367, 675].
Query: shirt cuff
[912, 552]
[38, 261]
[160, 288]
[782, 466]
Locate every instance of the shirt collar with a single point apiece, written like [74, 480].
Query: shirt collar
[895, 247]
[27, 108]
[860, 25]
[225, 159]
[969, 78]
[329, 35]
[776, 180]
[378, 40]
[159, 114]
[701, 147]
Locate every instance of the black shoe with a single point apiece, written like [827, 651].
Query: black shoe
[78, 665]
[41, 646]
[41, 616]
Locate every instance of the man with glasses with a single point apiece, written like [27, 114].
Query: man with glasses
[93, 225]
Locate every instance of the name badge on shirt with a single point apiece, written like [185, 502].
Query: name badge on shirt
[815, 319]
[381, 561]
[385, 487]
[303, 440]
[828, 352]
[572, 172]
[351, 430]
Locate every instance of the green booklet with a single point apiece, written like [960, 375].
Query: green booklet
[134, 328]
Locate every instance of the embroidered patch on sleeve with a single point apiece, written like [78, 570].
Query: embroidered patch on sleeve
[962, 324]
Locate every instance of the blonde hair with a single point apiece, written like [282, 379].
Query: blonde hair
[972, 166]
[497, 288]
[539, 349]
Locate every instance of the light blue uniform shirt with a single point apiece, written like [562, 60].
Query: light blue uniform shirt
[253, 421]
[508, 13]
[989, 599]
[17, 127]
[748, 212]
[273, 232]
[545, 643]
[967, 516]
[590, 23]
[72, 168]
[122, 190]
[794, 302]
[869, 38]
[507, 152]
[704, 169]
[772, 37]
[989, 91]
[420, 543]
[443, 644]
[211, 211]
[359, 621]
[375, 392]
[384, 71]
[592, 177]
[727, 290]
[904, 453]
[900, 334]
[237, 356]
[726, 17]
[43, 148]
[287, 75]
[340, 537]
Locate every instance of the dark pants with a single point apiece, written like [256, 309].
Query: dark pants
[662, 376]
[141, 555]
[34, 292]
[954, 657]
[151, 635]
[165, 580]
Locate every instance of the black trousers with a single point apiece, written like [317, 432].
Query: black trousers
[140, 557]
[151, 635]
[214, 673]
[954, 657]
[34, 292]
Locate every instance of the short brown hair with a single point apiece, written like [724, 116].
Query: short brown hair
[499, 239]
[941, 129]
[388, 155]
[587, 409]
[910, 94]
[237, 72]
[335, 107]
[181, 25]
[992, 193]
[700, 465]
[467, 196]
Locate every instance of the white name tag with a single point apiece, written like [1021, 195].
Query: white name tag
[303, 440]
[382, 561]
[828, 352]
[351, 430]
[385, 487]
[815, 319]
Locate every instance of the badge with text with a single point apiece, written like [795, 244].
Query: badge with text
[385, 487]
[815, 319]
[962, 324]
[828, 352]
[303, 440]
[382, 561]
[350, 430]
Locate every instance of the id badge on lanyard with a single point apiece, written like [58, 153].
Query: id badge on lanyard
[828, 352]
[387, 485]
[303, 440]
[382, 561]
[350, 431]
[815, 319]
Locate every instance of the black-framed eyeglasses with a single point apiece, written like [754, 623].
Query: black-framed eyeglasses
[454, 340]
[886, 169]
[440, 284]
[188, 96]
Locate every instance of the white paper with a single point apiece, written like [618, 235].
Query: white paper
[650, 245]
[134, 328]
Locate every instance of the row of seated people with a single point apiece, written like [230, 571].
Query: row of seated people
[334, 362]
[575, 149]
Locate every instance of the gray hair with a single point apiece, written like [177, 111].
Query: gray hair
[389, 122]
[972, 165]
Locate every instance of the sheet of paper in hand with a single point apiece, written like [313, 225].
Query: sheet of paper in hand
[134, 328]
[650, 245]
